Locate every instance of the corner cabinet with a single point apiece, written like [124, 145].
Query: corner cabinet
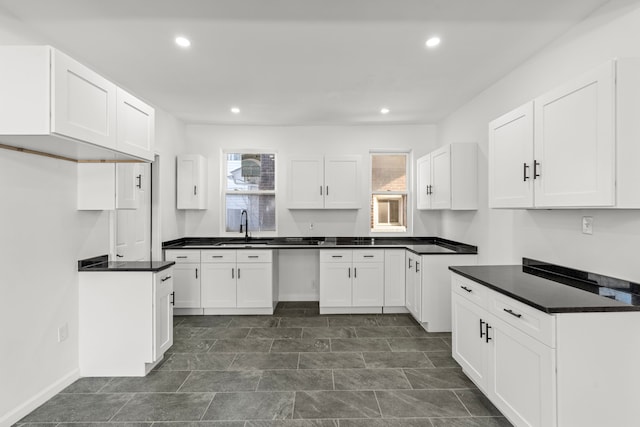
[447, 178]
[191, 182]
[573, 147]
[324, 182]
[125, 321]
[53, 104]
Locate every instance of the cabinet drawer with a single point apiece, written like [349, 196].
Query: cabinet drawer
[470, 290]
[374, 255]
[254, 256]
[222, 255]
[336, 256]
[164, 276]
[535, 323]
[182, 257]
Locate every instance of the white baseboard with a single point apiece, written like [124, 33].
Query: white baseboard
[27, 407]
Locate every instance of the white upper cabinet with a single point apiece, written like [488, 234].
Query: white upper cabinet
[52, 104]
[191, 182]
[573, 147]
[83, 103]
[136, 126]
[306, 183]
[447, 178]
[511, 159]
[574, 142]
[342, 182]
[325, 182]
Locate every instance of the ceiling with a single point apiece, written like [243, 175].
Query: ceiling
[295, 62]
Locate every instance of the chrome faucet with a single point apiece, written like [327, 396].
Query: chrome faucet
[246, 224]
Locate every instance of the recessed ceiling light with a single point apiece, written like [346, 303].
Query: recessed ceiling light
[183, 41]
[235, 110]
[384, 110]
[433, 42]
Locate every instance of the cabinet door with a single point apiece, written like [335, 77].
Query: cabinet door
[191, 182]
[394, 278]
[522, 377]
[335, 284]
[163, 322]
[128, 184]
[368, 284]
[575, 142]
[440, 191]
[254, 285]
[136, 126]
[342, 182]
[187, 285]
[410, 278]
[423, 182]
[219, 285]
[306, 183]
[469, 348]
[511, 159]
[83, 103]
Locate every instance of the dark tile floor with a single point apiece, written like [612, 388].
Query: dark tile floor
[293, 369]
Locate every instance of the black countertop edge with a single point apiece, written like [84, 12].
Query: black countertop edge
[410, 243]
[102, 263]
[585, 280]
[614, 296]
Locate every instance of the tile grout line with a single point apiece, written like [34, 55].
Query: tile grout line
[462, 403]
[185, 380]
[375, 394]
[228, 368]
[208, 406]
[120, 409]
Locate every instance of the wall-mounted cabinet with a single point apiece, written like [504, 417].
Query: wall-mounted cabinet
[109, 186]
[191, 182]
[573, 147]
[53, 104]
[447, 178]
[324, 182]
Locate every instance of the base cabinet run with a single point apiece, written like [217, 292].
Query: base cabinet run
[126, 321]
[546, 370]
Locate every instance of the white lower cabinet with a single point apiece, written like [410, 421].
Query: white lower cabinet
[394, 281]
[125, 321]
[547, 370]
[351, 281]
[187, 276]
[238, 282]
[428, 289]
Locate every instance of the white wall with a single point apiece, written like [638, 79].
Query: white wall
[306, 140]
[555, 236]
[42, 236]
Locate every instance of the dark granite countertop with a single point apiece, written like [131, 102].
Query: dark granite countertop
[102, 263]
[418, 245]
[556, 289]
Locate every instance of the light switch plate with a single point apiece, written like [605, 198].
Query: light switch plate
[587, 225]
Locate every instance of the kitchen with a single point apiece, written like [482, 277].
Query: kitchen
[46, 226]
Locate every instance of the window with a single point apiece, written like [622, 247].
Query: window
[389, 192]
[250, 185]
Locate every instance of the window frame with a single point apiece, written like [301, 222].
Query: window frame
[392, 231]
[224, 192]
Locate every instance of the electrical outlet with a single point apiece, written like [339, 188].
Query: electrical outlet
[63, 332]
[311, 226]
[587, 225]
